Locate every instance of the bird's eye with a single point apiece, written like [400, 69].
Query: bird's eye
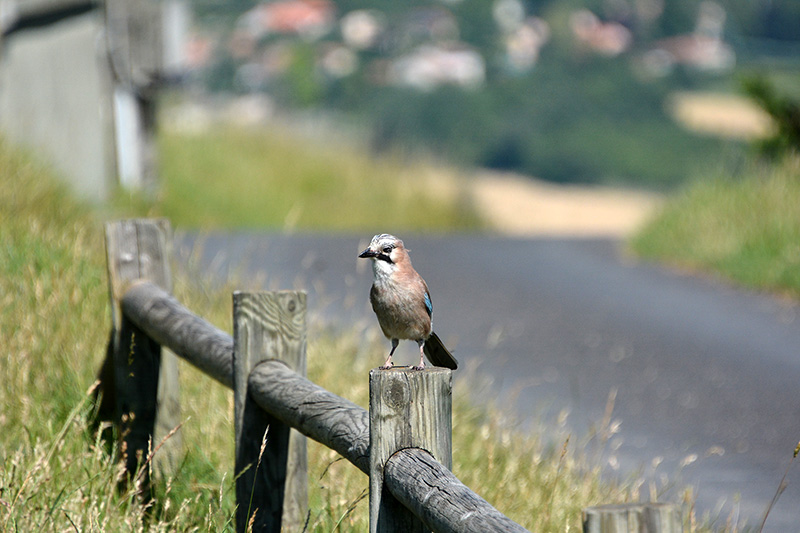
[387, 249]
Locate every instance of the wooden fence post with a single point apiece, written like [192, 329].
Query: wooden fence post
[407, 409]
[272, 485]
[412, 475]
[139, 383]
[633, 518]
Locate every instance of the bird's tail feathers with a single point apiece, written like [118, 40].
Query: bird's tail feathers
[438, 354]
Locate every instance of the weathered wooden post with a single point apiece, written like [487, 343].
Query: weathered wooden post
[633, 518]
[272, 486]
[407, 409]
[139, 383]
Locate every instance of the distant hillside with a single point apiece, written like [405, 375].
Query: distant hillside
[567, 91]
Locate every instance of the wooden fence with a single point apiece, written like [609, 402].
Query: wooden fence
[402, 442]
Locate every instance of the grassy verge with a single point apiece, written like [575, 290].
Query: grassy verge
[241, 178]
[56, 474]
[744, 226]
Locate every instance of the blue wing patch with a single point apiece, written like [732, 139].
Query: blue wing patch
[428, 304]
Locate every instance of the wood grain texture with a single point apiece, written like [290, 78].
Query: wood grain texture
[140, 379]
[408, 409]
[633, 518]
[137, 249]
[271, 484]
[136, 360]
[412, 476]
[317, 413]
[172, 325]
[442, 502]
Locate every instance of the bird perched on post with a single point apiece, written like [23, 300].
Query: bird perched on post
[400, 298]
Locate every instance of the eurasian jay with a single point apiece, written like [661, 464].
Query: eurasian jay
[400, 298]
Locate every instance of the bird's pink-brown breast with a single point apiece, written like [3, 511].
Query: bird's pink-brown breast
[401, 314]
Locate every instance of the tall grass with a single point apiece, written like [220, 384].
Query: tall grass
[231, 177]
[743, 225]
[56, 473]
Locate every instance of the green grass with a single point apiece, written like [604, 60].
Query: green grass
[56, 474]
[239, 178]
[744, 226]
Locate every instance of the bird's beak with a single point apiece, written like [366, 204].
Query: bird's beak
[369, 252]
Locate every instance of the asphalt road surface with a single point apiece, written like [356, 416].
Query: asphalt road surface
[706, 377]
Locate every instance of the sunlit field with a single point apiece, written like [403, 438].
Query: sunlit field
[57, 473]
[743, 225]
[239, 178]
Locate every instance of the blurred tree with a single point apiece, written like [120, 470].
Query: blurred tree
[575, 116]
[773, 19]
[220, 77]
[477, 26]
[221, 12]
[785, 113]
[781, 20]
[304, 83]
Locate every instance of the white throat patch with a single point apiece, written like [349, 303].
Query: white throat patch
[382, 270]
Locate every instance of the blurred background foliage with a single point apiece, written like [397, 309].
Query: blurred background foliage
[784, 111]
[577, 112]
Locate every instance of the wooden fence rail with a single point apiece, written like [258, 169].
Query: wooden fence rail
[434, 498]
[170, 324]
[400, 443]
[412, 475]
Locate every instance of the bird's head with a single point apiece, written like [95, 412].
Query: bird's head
[386, 251]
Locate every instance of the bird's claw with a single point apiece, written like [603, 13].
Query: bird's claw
[386, 367]
[418, 367]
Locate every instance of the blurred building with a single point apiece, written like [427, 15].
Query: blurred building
[430, 66]
[309, 19]
[362, 28]
[704, 49]
[606, 38]
[78, 81]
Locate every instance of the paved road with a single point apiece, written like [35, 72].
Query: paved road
[704, 374]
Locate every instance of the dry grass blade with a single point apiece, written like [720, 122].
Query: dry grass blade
[250, 511]
[44, 460]
[146, 466]
[781, 487]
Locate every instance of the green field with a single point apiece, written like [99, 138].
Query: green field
[231, 178]
[743, 225]
[56, 473]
